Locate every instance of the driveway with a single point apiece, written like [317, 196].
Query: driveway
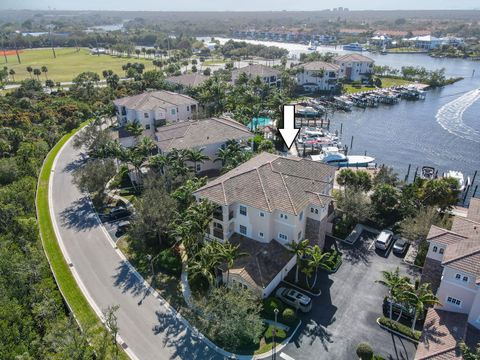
[345, 313]
[149, 328]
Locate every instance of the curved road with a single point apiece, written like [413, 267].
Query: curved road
[149, 329]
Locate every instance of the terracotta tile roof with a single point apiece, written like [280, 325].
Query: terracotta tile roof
[352, 58]
[257, 70]
[154, 99]
[263, 262]
[271, 182]
[442, 331]
[319, 65]
[443, 236]
[199, 133]
[466, 227]
[188, 80]
[464, 256]
[474, 210]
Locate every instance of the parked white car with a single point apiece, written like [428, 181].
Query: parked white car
[295, 299]
[384, 239]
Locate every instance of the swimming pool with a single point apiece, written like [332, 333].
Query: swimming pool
[260, 121]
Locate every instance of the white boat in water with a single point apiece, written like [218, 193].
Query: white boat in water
[462, 180]
[312, 46]
[339, 159]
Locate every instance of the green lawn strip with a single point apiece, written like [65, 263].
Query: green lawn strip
[72, 294]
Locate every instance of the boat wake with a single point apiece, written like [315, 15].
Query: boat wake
[450, 116]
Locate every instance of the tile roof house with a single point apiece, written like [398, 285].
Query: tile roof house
[354, 67]
[187, 80]
[265, 203]
[318, 76]
[267, 74]
[209, 135]
[452, 266]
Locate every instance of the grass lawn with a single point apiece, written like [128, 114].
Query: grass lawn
[386, 83]
[68, 63]
[72, 294]
[214, 62]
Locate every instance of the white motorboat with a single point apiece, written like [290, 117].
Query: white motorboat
[463, 181]
[312, 46]
[339, 159]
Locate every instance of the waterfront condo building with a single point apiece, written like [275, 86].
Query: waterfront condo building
[354, 67]
[267, 74]
[264, 204]
[452, 266]
[318, 76]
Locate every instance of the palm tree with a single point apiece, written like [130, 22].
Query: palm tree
[157, 163]
[396, 284]
[229, 254]
[29, 70]
[196, 156]
[420, 297]
[145, 146]
[134, 128]
[37, 73]
[316, 258]
[298, 249]
[137, 51]
[44, 69]
[202, 265]
[12, 74]
[223, 155]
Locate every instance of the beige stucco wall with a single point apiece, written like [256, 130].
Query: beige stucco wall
[435, 255]
[474, 317]
[306, 77]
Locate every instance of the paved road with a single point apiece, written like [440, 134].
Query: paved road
[149, 329]
[345, 313]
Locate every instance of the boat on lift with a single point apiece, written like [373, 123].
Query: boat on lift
[463, 181]
[428, 173]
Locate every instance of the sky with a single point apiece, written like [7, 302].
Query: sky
[236, 5]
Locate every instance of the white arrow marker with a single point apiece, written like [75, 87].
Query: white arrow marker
[289, 133]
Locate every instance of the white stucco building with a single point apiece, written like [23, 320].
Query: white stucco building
[263, 205]
[318, 76]
[452, 267]
[155, 108]
[354, 67]
[267, 74]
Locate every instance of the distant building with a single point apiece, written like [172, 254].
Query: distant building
[354, 67]
[264, 204]
[318, 76]
[381, 40]
[209, 135]
[430, 42]
[268, 75]
[98, 51]
[187, 80]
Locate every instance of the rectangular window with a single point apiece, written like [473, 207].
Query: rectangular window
[147, 126]
[301, 216]
[188, 108]
[316, 211]
[454, 301]
[262, 214]
[145, 115]
[243, 210]
[465, 279]
[441, 251]
[311, 210]
[458, 277]
[300, 235]
[199, 167]
[243, 230]
[283, 216]
[260, 234]
[173, 111]
[283, 237]
[435, 249]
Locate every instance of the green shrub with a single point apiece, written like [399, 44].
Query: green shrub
[396, 326]
[169, 261]
[279, 334]
[269, 305]
[364, 351]
[289, 317]
[378, 357]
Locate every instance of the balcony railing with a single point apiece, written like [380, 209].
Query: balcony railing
[218, 215]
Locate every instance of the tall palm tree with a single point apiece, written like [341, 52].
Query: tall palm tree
[30, 70]
[298, 249]
[44, 69]
[37, 73]
[196, 156]
[229, 254]
[12, 74]
[134, 128]
[145, 146]
[315, 259]
[396, 285]
[420, 297]
[203, 265]
[157, 163]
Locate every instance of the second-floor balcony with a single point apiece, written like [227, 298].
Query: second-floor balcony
[218, 215]
[218, 233]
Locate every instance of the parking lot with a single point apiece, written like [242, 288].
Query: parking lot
[345, 313]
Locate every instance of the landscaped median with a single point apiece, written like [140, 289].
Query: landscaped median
[78, 304]
[399, 329]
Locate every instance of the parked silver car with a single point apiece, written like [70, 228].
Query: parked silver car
[384, 239]
[295, 299]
